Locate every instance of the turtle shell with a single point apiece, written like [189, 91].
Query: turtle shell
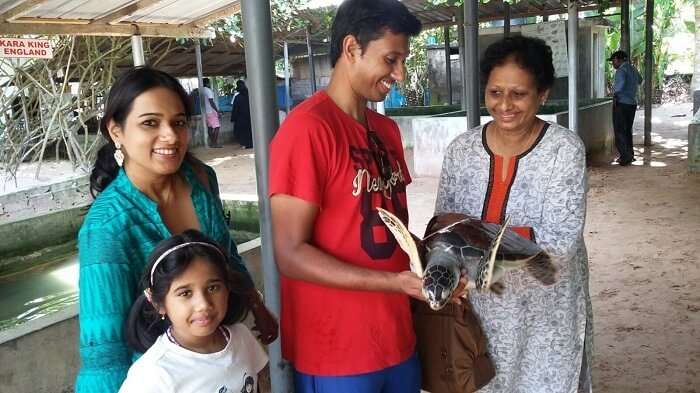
[477, 236]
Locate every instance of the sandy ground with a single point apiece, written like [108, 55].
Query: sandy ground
[643, 238]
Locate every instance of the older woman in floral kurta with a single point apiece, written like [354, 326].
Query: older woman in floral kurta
[534, 172]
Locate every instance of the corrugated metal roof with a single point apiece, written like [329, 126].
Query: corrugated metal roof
[440, 15]
[178, 18]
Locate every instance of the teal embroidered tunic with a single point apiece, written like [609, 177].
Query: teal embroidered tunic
[119, 232]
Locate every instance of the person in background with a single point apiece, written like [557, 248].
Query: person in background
[534, 172]
[233, 99]
[240, 116]
[147, 187]
[212, 114]
[627, 80]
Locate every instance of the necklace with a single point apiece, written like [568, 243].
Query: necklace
[521, 146]
[169, 334]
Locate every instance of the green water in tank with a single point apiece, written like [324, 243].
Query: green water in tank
[46, 281]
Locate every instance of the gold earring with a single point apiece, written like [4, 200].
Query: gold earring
[118, 154]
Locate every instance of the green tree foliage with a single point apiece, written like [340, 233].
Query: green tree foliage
[288, 16]
[416, 82]
[283, 14]
[668, 21]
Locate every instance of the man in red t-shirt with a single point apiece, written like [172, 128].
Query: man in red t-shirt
[346, 321]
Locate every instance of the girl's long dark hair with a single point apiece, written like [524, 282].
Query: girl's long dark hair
[118, 106]
[144, 323]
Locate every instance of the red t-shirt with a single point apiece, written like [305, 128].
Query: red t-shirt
[320, 154]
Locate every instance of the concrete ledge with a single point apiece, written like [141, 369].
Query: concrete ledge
[405, 124]
[431, 136]
[596, 131]
[46, 230]
[45, 360]
[38, 324]
[36, 201]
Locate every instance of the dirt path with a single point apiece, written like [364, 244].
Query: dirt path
[643, 238]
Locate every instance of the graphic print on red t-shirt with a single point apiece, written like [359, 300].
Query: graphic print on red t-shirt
[374, 191]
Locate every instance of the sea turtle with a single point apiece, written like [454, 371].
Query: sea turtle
[456, 243]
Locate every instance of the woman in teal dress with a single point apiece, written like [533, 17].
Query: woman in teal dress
[147, 187]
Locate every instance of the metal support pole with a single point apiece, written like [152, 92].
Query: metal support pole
[471, 43]
[263, 108]
[448, 64]
[310, 51]
[506, 19]
[137, 50]
[287, 96]
[200, 90]
[625, 27]
[573, 65]
[462, 56]
[648, 70]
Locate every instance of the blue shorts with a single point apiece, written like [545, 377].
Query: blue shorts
[402, 378]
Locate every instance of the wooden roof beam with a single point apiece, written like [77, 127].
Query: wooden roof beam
[20, 9]
[51, 21]
[220, 13]
[122, 29]
[491, 17]
[119, 14]
[448, 9]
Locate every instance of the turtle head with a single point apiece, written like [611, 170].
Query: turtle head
[441, 276]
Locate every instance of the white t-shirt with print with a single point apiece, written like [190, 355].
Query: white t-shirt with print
[169, 368]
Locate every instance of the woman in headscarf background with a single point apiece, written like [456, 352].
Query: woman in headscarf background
[240, 116]
[534, 172]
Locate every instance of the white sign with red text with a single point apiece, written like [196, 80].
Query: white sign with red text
[25, 47]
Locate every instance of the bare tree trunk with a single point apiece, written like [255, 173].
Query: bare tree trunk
[695, 85]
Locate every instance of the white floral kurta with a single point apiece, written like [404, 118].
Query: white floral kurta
[539, 336]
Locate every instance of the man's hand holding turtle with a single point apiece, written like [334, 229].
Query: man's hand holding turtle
[410, 284]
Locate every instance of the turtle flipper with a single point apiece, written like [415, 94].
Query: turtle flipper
[404, 238]
[490, 257]
[541, 267]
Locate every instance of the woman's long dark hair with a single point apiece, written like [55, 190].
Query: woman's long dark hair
[118, 106]
[144, 323]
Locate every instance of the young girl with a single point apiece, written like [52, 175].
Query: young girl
[187, 323]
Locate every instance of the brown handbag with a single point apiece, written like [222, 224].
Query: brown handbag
[451, 348]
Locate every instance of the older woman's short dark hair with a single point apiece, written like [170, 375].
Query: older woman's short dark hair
[531, 54]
